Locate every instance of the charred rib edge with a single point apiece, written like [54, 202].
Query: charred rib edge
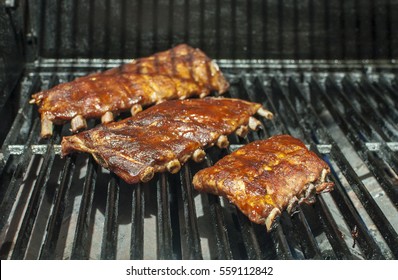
[173, 166]
[198, 155]
[265, 113]
[222, 142]
[135, 109]
[107, 117]
[46, 127]
[78, 123]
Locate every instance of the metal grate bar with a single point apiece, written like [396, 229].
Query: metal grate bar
[390, 156]
[356, 184]
[34, 201]
[377, 167]
[60, 201]
[250, 241]
[80, 248]
[281, 244]
[223, 246]
[190, 236]
[386, 106]
[39, 187]
[387, 90]
[23, 117]
[261, 96]
[333, 233]
[367, 201]
[224, 251]
[137, 223]
[354, 220]
[366, 128]
[164, 228]
[248, 94]
[309, 245]
[367, 119]
[344, 166]
[282, 248]
[109, 239]
[276, 94]
[305, 238]
[291, 233]
[305, 130]
[381, 102]
[10, 193]
[299, 112]
[394, 84]
[239, 90]
[314, 232]
[370, 114]
[294, 121]
[249, 237]
[286, 111]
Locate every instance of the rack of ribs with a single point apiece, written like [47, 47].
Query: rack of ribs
[266, 177]
[178, 73]
[165, 136]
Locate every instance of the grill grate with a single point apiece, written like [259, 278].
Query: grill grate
[53, 208]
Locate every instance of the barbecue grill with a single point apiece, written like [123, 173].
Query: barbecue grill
[325, 68]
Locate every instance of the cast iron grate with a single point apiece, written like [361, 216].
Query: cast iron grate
[53, 208]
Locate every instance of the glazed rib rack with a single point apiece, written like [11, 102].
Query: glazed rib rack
[180, 72]
[53, 208]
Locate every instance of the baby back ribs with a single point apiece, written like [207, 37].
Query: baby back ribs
[165, 136]
[266, 177]
[177, 73]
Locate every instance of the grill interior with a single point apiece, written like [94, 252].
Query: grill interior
[326, 69]
[70, 208]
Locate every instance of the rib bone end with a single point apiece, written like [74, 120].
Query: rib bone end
[173, 166]
[271, 218]
[203, 95]
[309, 195]
[198, 155]
[242, 131]
[222, 142]
[46, 127]
[184, 158]
[323, 175]
[147, 174]
[107, 117]
[135, 109]
[254, 124]
[265, 113]
[78, 123]
[293, 205]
